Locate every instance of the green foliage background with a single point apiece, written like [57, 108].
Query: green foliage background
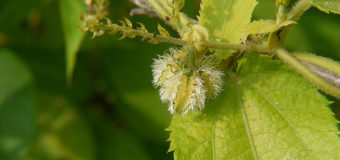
[112, 110]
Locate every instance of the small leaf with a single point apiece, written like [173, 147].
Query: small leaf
[17, 107]
[327, 6]
[143, 29]
[163, 31]
[225, 20]
[266, 111]
[70, 14]
[259, 27]
[279, 34]
[129, 23]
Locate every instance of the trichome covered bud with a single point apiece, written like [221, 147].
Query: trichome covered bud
[183, 85]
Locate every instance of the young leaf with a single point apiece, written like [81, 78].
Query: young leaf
[266, 111]
[327, 6]
[17, 107]
[70, 14]
[163, 31]
[165, 10]
[277, 37]
[226, 19]
[259, 27]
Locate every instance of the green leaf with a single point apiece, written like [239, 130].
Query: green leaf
[17, 107]
[266, 111]
[259, 27]
[229, 20]
[277, 37]
[70, 14]
[63, 132]
[327, 6]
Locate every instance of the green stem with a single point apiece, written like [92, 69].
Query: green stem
[238, 47]
[176, 41]
[299, 9]
[307, 73]
[145, 35]
[281, 16]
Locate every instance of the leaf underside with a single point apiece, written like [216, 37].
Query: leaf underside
[230, 17]
[266, 111]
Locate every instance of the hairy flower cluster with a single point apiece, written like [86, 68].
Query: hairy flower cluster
[183, 85]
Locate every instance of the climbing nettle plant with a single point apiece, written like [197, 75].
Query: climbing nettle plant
[233, 90]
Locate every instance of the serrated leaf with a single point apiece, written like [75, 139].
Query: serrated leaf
[327, 6]
[70, 15]
[17, 107]
[266, 111]
[229, 20]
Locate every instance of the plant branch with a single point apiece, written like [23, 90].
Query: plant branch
[307, 73]
[131, 32]
[238, 47]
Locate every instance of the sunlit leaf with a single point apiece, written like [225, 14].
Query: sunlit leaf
[259, 27]
[226, 19]
[266, 111]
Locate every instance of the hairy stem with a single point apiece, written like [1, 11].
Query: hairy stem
[297, 11]
[307, 73]
[135, 32]
[176, 41]
[280, 14]
[237, 47]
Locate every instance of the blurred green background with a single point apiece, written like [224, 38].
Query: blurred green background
[112, 110]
